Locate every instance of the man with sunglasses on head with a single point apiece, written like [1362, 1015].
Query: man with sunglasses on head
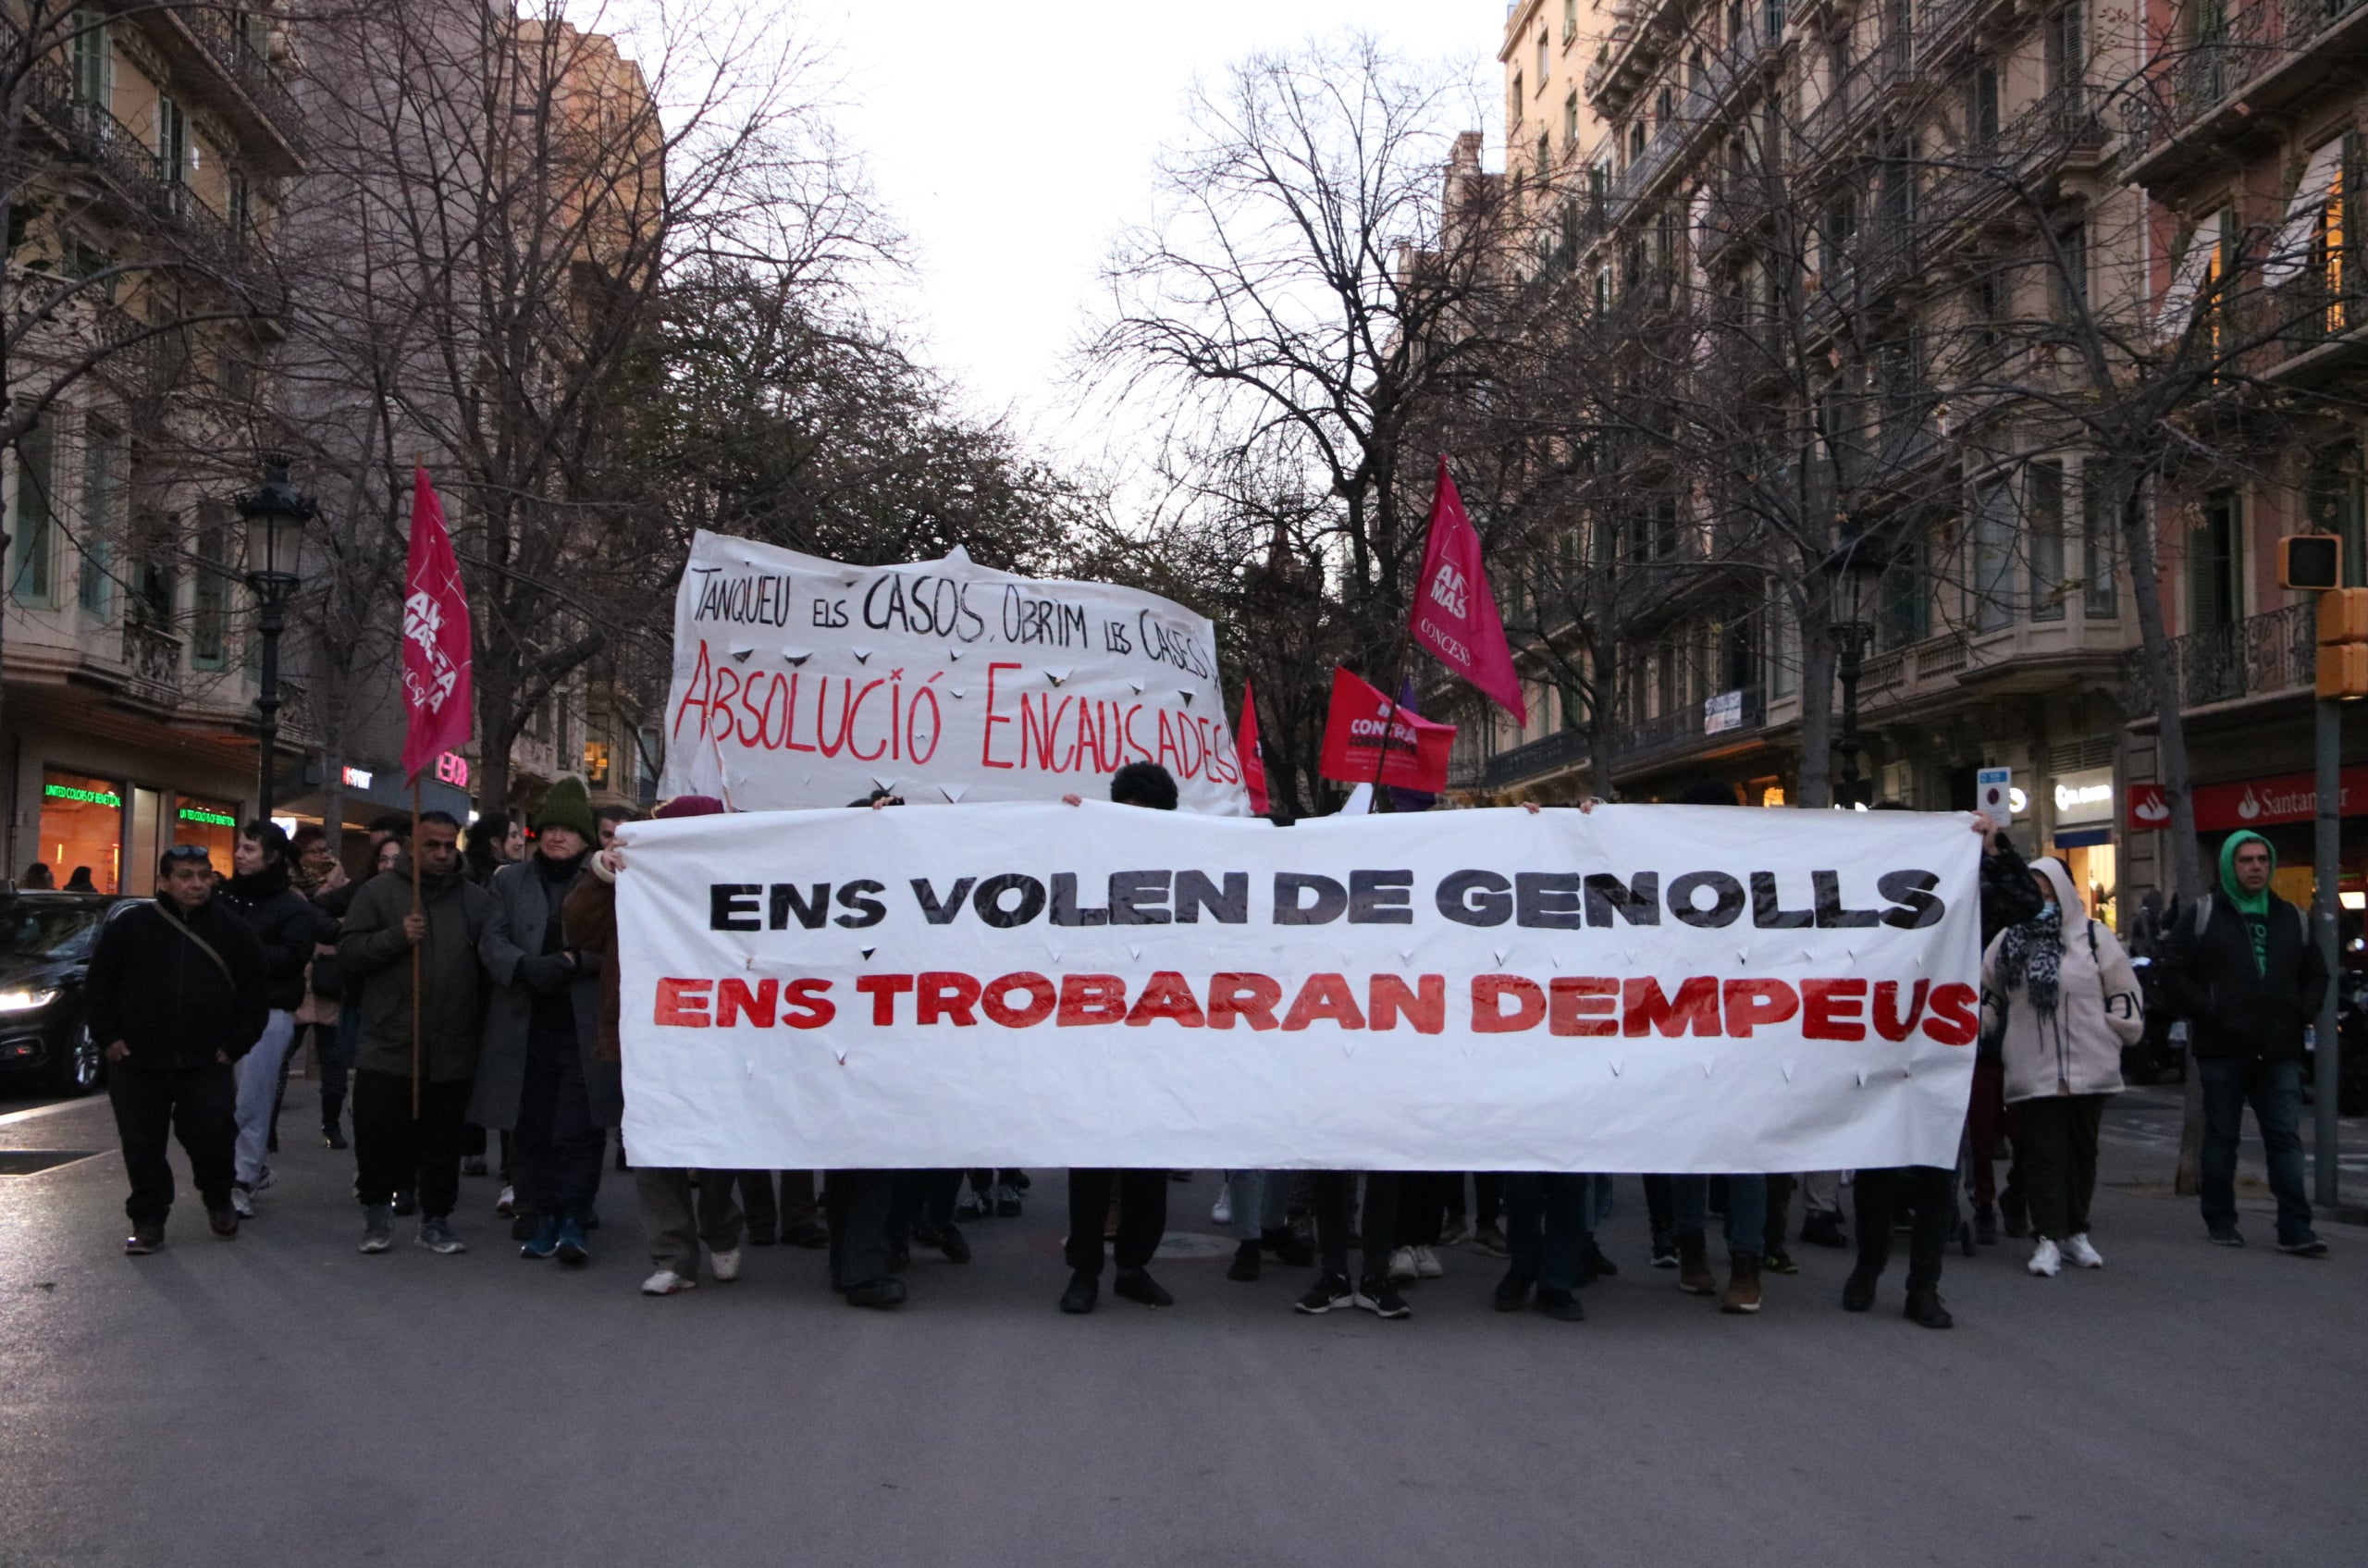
[177, 991]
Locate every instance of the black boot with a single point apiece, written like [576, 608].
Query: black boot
[332, 1113]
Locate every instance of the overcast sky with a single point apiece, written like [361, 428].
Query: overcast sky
[1012, 141]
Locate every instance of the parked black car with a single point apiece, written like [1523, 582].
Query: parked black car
[45, 942]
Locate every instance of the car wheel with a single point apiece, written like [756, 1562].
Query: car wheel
[80, 1070]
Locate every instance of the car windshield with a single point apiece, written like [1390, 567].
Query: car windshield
[32, 927]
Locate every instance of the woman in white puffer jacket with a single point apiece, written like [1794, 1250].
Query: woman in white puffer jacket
[2062, 991]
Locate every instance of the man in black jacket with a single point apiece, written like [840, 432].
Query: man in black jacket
[2242, 969]
[176, 992]
[396, 1150]
[288, 925]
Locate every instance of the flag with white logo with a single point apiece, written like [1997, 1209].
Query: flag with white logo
[437, 647]
[1455, 615]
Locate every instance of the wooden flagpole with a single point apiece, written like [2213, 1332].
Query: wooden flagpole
[418, 957]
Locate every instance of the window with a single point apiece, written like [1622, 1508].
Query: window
[1772, 19]
[93, 61]
[209, 630]
[596, 764]
[2067, 55]
[1736, 23]
[1570, 20]
[1981, 105]
[2333, 504]
[1983, 303]
[153, 587]
[1993, 556]
[36, 513]
[172, 142]
[2072, 275]
[242, 209]
[1665, 528]
[1635, 141]
[2214, 592]
[2100, 545]
[1664, 106]
[1545, 155]
[1903, 610]
[2044, 507]
[102, 495]
[1513, 107]
[1541, 59]
[1835, 226]
[1570, 121]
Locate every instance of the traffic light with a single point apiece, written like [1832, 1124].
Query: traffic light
[2309, 560]
[2343, 642]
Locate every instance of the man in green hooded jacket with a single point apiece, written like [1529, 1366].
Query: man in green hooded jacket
[2244, 972]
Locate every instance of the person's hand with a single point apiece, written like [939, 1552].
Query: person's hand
[1071, 800]
[1530, 807]
[335, 880]
[414, 928]
[1989, 832]
[612, 859]
[223, 1057]
[116, 1051]
[1589, 804]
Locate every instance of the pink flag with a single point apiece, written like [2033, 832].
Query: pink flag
[1253, 762]
[436, 699]
[1455, 615]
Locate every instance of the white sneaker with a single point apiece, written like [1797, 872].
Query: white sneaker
[726, 1264]
[1403, 1266]
[2046, 1262]
[666, 1282]
[506, 1205]
[243, 1202]
[2079, 1250]
[1427, 1264]
[1221, 1212]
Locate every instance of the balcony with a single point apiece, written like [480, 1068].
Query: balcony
[235, 44]
[1703, 96]
[2265, 656]
[1563, 748]
[2231, 84]
[152, 661]
[1653, 742]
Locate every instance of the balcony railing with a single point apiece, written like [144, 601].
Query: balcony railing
[235, 42]
[1703, 96]
[1563, 748]
[2254, 39]
[1655, 739]
[152, 659]
[2257, 657]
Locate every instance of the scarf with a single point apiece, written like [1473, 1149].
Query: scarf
[2251, 907]
[2032, 957]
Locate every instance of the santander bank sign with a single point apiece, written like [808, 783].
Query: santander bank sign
[2249, 803]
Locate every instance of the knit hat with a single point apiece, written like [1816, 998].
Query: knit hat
[565, 805]
[688, 805]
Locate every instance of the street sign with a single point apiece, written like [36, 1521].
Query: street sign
[1991, 797]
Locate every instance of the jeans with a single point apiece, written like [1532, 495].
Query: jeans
[1931, 1192]
[1334, 1194]
[1547, 1233]
[194, 1104]
[2055, 1160]
[2275, 1090]
[1261, 1201]
[258, 1078]
[393, 1150]
[558, 1149]
[676, 1223]
[1143, 1217]
[1747, 1209]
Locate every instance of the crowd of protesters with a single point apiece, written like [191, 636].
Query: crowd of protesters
[508, 947]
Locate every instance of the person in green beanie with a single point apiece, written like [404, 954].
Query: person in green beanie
[2242, 969]
[540, 1076]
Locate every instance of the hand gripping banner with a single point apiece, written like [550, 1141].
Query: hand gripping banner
[1653, 988]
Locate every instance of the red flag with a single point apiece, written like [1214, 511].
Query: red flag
[1455, 615]
[436, 699]
[1254, 763]
[1417, 754]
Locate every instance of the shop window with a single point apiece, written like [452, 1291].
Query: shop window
[36, 518]
[81, 829]
[214, 824]
[2213, 591]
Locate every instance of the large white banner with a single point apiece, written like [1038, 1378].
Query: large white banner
[1659, 988]
[800, 681]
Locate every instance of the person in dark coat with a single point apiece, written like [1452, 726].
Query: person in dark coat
[288, 925]
[177, 993]
[2242, 969]
[540, 1075]
[394, 1149]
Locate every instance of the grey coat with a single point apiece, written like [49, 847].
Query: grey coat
[513, 932]
[377, 955]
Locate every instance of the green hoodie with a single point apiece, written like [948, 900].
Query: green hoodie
[2252, 907]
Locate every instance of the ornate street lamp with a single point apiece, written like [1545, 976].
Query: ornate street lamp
[1858, 562]
[276, 515]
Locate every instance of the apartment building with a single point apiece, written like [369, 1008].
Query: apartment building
[1883, 261]
[152, 150]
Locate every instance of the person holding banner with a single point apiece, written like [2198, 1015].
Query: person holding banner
[401, 1144]
[541, 1076]
[1143, 1195]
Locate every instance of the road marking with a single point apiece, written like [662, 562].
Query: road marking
[12, 1117]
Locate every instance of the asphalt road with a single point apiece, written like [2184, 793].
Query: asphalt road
[281, 1399]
